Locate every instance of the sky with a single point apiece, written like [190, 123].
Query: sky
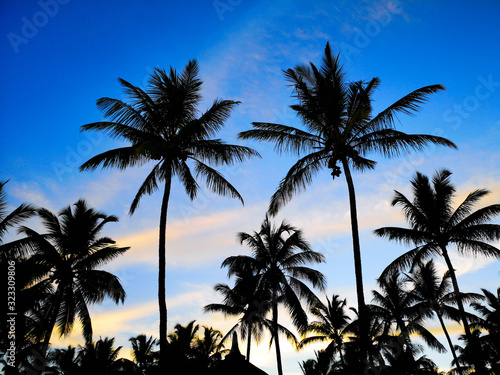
[59, 56]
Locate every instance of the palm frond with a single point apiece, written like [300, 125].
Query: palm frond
[216, 182]
[120, 158]
[298, 177]
[285, 138]
[407, 105]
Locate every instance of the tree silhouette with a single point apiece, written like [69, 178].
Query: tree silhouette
[163, 126]
[279, 257]
[332, 319]
[67, 257]
[490, 323]
[341, 131]
[100, 357]
[434, 225]
[244, 300]
[433, 295]
[143, 354]
[25, 275]
[12, 219]
[396, 304]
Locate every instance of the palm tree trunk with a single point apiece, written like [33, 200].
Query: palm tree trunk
[339, 347]
[162, 260]
[275, 334]
[363, 321]
[478, 365]
[51, 316]
[249, 340]
[448, 338]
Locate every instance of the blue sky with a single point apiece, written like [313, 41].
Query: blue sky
[59, 57]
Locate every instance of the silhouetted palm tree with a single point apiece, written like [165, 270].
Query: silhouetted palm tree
[67, 256]
[323, 364]
[378, 334]
[331, 321]
[433, 295]
[143, 353]
[243, 300]
[163, 125]
[63, 362]
[490, 323]
[279, 257]
[182, 355]
[12, 219]
[100, 357]
[396, 304]
[435, 224]
[341, 129]
[210, 347]
[25, 275]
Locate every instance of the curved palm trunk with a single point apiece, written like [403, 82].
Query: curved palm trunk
[275, 334]
[363, 321]
[448, 339]
[478, 365]
[162, 259]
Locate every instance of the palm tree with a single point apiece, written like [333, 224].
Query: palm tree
[63, 362]
[210, 347]
[243, 300]
[332, 319]
[182, 355]
[100, 357]
[163, 125]
[341, 130]
[396, 304]
[435, 224]
[490, 323]
[68, 255]
[433, 295]
[323, 364]
[12, 219]
[279, 257]
[143, 353]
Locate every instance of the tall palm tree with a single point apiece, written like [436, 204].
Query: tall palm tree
[435, 224]
[163, 125]
[68, 255]
[433, 295]
[331, 321]
[341, 131]
[279, 256]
